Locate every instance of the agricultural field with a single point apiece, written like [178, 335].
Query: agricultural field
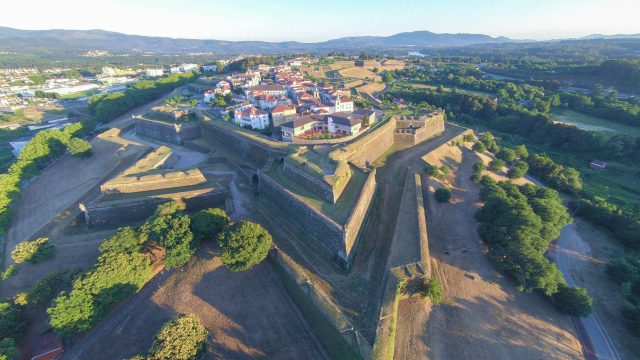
[586, 122]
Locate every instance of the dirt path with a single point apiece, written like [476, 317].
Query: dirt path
[412, 342]
[484, 316]
[248, 314]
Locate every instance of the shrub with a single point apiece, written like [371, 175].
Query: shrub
[12, 320]
[9, 272]
[479, 147]
[169, 227]
[433, 289]
[507, 155]
[574, 301]
[8, 349]
[182, 338]
[497, 165]
[206, 224]
[46, 289]
[518, 170]
[445, 169]
[431, 170]
[80, 148]
[244, 245]
[443, 195]
[33, 251]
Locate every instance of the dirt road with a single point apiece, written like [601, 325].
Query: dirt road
[571, 248]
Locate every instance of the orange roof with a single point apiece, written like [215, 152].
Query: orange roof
[281, 108]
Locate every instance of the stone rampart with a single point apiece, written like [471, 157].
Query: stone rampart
[167, 132]
[359, 213]
[139, 183]
[317, 186]
[367, 149]
[116, 213]
[319, 226]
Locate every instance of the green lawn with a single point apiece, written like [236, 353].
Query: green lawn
[339, 211]
[591, 123]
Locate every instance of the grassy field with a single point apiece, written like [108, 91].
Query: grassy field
[586, 122]
[434, 87]
[339, 211]
[618, 184]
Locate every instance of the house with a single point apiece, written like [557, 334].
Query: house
[281, 114]
[266, 102]
[343, 104]
[154, 72]
[266, 90]
[368, 116]
[598, 165]
[342, 123]
[209, 95]
[252, 117]
[210, 68]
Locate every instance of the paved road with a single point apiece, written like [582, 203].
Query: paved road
[569, 247]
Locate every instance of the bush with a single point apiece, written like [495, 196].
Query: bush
[507, 155]
[206, 224]
[432, 171]
[479, 147]
[12, 320]
[433, 289]
[445, 169]
[443, 195]
[46, 289]
[497, 165]
[244, 245]
[11, 270]
[574, 301]
[33, 251]
[80, 148]
[8, 349]
[518, 170]
[182, 338]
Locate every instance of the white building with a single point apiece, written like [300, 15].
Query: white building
[210, 68]
[154, 72]
[253, 117]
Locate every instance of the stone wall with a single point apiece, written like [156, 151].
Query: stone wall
[252, 151]
[171, 133]
[359, 213]
[117, 213]
[319, 226]
[315, 185]
[367, 149]
[134, 183]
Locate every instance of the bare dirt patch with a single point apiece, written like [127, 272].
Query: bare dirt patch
[248, 314]
[359, 73]
[484, 316]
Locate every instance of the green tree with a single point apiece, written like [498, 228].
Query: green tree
[574, 301]
[8, 349]
[518, 170]
[387, 77]
[206, 224]
[33, 251]
[170, 227]
[125, 240]
[497, 165]
[443, 195]
[12, 320]
[244, 245]
[80, 148]
[182, 338]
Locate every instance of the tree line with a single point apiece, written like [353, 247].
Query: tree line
[46, 146]
[107, 107]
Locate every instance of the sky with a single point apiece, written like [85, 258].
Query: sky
[310, 21]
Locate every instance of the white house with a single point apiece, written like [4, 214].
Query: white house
[253, 117]
[154, 72]
[210, 68]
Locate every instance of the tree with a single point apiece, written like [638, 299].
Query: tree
[79, 148]
[522, 151]
[387, 77]
[508, 155]
[497, 165]
[574, 301]
[206, 224]
[33, 251]
[479, 147]
[244, 245]
[8, 349]
[518, 170]
[182, 338]
[12, 320]
[443, 195]
[125, 240]
[170, 227]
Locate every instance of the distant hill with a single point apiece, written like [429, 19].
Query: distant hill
[83, 40]
[616, 36]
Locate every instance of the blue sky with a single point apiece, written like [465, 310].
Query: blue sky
[303, 20]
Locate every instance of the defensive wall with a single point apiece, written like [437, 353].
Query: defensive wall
[339, 239]
[127, 211]
[167, 132]
[318, 186]
[135, 183]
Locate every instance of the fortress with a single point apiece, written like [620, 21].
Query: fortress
[169, 125]
[134, 195]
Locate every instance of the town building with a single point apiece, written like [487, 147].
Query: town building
[252, 117]
[281, 113]
[210, 68]
[154, 72]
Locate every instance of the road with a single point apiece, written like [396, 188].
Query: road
[569, 248]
